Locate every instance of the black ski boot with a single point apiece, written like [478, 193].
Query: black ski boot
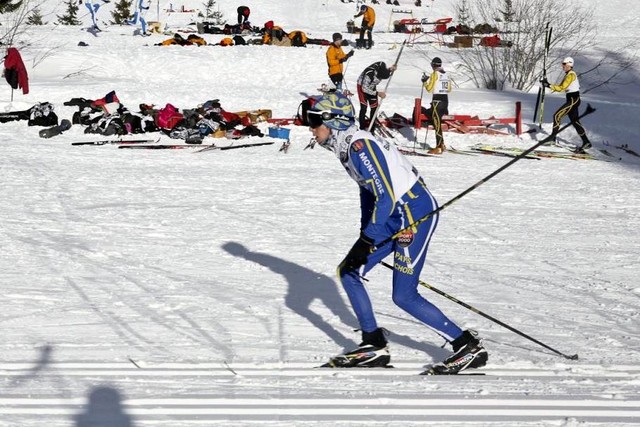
[585, 146]
[468, 353]
[371, 353]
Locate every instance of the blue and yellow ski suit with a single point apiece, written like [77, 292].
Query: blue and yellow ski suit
[393, 196]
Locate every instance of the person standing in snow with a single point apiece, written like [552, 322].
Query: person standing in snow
[93, 6]
[137, 17]
[243, 14]
[368, 21]
[393, 195]
[439, 86]
[571, 86]
[368, 89]
[335, 58]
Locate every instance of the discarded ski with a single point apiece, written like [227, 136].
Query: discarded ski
[117, 141]
[495, 152]
[160, 146]
[233, 147]
[410, 152]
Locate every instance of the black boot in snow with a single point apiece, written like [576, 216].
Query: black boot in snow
[468, 353]
[371, 353]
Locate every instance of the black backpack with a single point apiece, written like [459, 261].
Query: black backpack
[42, 114]
[305, 105]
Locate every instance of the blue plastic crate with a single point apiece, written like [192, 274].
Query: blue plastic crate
[279, 132]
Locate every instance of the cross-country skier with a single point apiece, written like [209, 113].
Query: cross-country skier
[368, 88]
[439, 85]
[571, 86]
[137, 17]
[393, 195]
[93, 6]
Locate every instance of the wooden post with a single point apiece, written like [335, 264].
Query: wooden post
[417, 113]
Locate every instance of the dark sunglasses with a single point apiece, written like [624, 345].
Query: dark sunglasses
[317, 118]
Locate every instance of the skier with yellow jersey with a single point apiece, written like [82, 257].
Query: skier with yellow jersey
[439, 85]
[571, 86]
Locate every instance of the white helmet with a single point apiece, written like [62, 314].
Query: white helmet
[568, 61]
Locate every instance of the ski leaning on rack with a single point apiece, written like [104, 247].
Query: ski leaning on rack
[117, 141]
[539, 109]
[386, 132]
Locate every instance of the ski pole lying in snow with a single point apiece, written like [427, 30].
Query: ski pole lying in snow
[493, 319]
[525, 153]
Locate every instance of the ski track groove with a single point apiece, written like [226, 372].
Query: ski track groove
[280, 401]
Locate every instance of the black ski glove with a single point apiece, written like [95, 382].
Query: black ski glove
[357, 256]
[424, 78]
[544, 82]
[346, 58]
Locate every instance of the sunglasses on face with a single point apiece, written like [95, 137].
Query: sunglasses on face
[317, 118]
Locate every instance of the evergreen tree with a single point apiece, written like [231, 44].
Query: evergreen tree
[71, 15]
[463, 13]
[211, 15]
[508, 14]
[35, 18]
[121, 12]
[7, 6]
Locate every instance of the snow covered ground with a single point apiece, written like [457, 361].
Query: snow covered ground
[173, 288]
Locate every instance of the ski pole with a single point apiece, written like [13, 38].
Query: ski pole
[485, 315]
[374, 116]
[419, 120]
[542, 96]
[525, 153]
[542, 91]
[344, 75]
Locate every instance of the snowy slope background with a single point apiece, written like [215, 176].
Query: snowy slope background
[173, 289]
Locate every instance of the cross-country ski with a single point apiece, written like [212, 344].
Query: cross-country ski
[199, 229]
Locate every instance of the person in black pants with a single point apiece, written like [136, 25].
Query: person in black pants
[571, 86]
[439, 85]
[368, 92]
[368, 21]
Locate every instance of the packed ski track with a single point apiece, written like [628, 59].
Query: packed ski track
[175, 288]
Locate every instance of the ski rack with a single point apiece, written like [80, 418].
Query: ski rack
[471, 124]
[391, 26]
[417, 28]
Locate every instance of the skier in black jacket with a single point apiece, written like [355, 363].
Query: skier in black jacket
[368, 91]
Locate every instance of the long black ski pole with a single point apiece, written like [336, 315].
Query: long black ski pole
[522, 155]
[486, 316]
[542, 90]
